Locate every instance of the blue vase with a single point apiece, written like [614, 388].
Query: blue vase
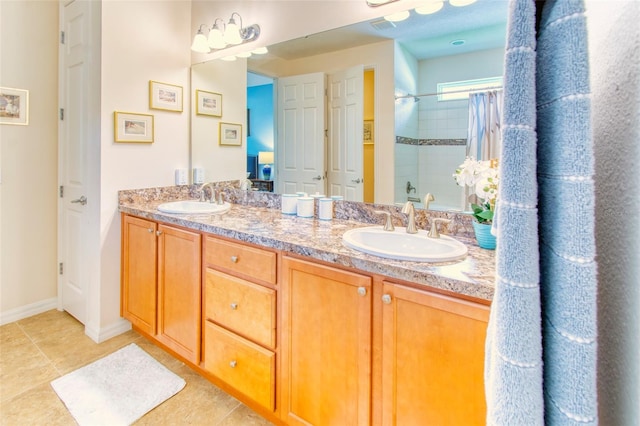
[266, 172]
[485, 238]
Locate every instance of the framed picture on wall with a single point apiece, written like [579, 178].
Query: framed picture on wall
[167, 97]
[14, 106]
[131, 127]
[208, 103]
[367, 131]
[230, 134]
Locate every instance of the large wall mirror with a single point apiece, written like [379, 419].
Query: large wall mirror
[408, 140]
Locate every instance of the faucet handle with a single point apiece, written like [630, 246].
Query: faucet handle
[388, 224]
[433, 231]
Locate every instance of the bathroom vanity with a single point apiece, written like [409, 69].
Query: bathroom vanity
[275, 310]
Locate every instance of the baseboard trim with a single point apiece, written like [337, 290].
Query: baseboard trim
[27, 311]
[101, 334]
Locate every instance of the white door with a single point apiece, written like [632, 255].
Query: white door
[345, 167]
[300, 141]
[72, 159]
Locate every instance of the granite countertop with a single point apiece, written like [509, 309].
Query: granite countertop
[322, 240]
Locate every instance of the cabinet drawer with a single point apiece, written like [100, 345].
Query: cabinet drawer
[243, 307]
[240, 363]
[240, 259]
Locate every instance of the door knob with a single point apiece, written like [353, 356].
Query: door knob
[357, 180]
[317, 178]
[82, 200]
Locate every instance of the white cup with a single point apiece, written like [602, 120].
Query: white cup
[289, 203]
[305, 207]
[325, 209]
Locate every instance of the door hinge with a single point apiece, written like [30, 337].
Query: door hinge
[61, 268]
[61, 191]
[61, 113]
[61, 37]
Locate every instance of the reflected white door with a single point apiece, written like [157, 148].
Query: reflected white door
[300, 142]
[72, 158]
[345, 167]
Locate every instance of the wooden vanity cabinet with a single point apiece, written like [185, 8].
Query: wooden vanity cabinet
[326, 345]
[432, 358]
[161, 283]
[240, 318]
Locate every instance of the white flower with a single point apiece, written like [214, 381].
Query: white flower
[481, 176]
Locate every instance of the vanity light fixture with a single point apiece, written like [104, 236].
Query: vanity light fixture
[223, 36]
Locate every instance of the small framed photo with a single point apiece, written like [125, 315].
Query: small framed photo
[165, 96]
[14, 106]
[208, 103]
[131, 127]
[367, 131]
[230, 134]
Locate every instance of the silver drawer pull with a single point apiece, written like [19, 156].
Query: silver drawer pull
[158, 233]
[234, 306]
[362, 291]
[386, 299]
[233, 364]
[234, 259]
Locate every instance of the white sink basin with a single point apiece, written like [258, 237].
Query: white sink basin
[193, 207]
[399, 245]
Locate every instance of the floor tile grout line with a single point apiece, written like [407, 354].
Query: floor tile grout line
[222, 419]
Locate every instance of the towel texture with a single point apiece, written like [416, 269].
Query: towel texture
[544, 303]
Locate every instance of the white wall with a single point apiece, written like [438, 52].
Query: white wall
[614, 45]
[28, 159]
[141, 41]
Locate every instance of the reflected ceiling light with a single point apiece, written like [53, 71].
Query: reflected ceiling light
[429, 7]
[398, 16]
[243, 54]
[460, 3]
[229, 58]
[229, 35]
[260, 51]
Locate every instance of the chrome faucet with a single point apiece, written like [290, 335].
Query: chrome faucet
[388, 224]
[433, 232]
[408, 209]
[203, 196]
[427, 199]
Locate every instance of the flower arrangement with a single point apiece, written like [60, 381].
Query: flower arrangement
[483, 177]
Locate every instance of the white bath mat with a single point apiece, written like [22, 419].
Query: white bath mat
[117, 389]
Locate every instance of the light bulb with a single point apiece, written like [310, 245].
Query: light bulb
[216, 40]
[232, 33]
[200, 44]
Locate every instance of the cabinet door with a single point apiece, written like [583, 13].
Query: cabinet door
[433, 358]
[179, 291]
[139, 269]
[326, 345]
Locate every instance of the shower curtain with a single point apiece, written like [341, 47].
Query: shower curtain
[541, 348]
[484, 136]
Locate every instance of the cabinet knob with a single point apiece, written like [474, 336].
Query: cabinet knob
[234, 259]
[386, 299]
[150, 230]
[233, 364]
[234, 306]
[158, 233]
[362, 291]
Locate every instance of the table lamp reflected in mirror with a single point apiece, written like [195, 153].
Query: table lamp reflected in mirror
[266, 159]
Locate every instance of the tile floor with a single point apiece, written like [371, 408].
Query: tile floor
[36, 350]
